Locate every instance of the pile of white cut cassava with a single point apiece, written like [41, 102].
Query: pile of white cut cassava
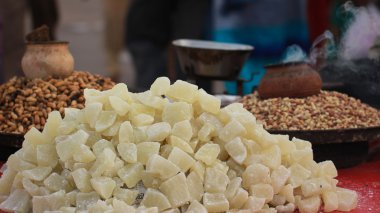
[170, 149]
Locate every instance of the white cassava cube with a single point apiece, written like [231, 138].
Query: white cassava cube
[82, 180]
[255, 204]
[105, 120]
[286, 146]
[143, 209]
[215, 181]
[153, 197]
[196, 207]
[121, 207]
[149, 99]
[298, 175]
[128, 152]
[67, 209]
[327, 169]
[126, 132]
[183, 130]
[176, 112]
[161, 168]
[180, 158]
[142, 120]
[137, 109]
[6, 181]
[183, 91]
[67, 127]
[160, 86]
[208, 153]
[139, 134]
[301, 144]
[262, 190]
[311, 187]
[309, 205]
[236, 150]
[239, 199]
[254, 174]
[210, 118]
[199, 168]
[92, 112]
[330, 201]
[208, 103]
[236, 167]
[287, 192]
[206, 132]
[158, 131]
[347, 199]
[302, 155]
[272, 157]
[18, 201]
[37, 174]
[52, 124]
[215, 202]
[221, 166]
[33, 136]
[31, 188]
[104, 186]
[56, 182]
[100, 206]
[126, 195]
[145, 150]
[49, 202]
[278, 200]
[47, 155]
[232, 188]
[279, 177]
[176, 190]
[104, 161]
[101, 145]
[29, 153]
[112, 130]
[181, 144]
[120, 106]
[120, 90]
[86, 199]
[84, 154]
[67, 145]
[150, 181]
[232, 130]
[131, 174]
[165, 150]
[195, 185]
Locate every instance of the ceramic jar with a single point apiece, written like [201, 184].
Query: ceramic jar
[42, 59]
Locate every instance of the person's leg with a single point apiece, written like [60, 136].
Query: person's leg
[149, 61]
[191, 20]
[147, 36]
[114, 13]
[45, 12]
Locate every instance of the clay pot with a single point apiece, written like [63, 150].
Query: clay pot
[42, 59]
[293, 80]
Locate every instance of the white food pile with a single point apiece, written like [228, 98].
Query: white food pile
[171, 149]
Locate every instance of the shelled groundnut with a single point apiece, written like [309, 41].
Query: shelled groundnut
[25, 103]
[327, 110]
[171, 149]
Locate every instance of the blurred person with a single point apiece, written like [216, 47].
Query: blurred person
[44, 12]
[268, 25]
[12, 47]
[152, 25]
[115, 12]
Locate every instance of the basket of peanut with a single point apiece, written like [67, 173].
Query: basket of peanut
[26, 103]
[339, 126]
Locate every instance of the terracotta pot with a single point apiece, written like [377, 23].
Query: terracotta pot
[43, 59]
[293, 80]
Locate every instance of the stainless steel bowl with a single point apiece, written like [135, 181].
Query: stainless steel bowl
[211, 60]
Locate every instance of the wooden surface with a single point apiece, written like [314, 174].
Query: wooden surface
[365, 179]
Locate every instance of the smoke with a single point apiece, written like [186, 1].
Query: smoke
[361, 32]
[294, 53]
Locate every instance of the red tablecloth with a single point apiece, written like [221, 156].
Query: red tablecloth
[365, 179]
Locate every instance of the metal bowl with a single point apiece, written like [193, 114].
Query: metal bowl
[211, 60]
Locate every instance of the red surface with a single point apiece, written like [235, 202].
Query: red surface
[365, 179]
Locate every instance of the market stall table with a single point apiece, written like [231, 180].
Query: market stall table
[365, 179]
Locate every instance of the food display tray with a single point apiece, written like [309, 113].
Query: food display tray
[9, 144]
[346, 147]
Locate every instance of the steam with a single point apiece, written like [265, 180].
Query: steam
[294, 53]
[361, 32]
